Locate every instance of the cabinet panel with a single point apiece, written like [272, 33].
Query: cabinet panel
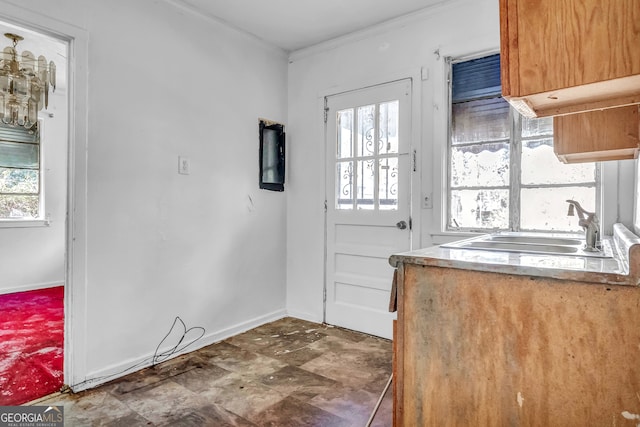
[551, 49]
[498, 349]
[612, 134]
[571, 43]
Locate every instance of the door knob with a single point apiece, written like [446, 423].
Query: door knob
[402, 225]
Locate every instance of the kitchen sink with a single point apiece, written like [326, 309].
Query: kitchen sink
[522, 247]
[536, 240]
[532, 244]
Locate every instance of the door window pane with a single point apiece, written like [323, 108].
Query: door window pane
[345, 133]
[388, 128]
[369, 181]
[366, 184]
[366, 131]
[344, 185]
[388, 185]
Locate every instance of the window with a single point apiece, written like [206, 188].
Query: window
[503, 173]
[367, 157]
[20, 185]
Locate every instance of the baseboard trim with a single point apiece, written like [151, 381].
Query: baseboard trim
[113, 372]
[30, 287]
[304, 316]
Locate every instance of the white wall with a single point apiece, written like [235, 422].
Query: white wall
[375, 56]
[208, 247]
[400, 49]
[33, 253]
[164, 83]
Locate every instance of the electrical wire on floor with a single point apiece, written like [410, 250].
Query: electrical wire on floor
[161, 357]
[158, 357]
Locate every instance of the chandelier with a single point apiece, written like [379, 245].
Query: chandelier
[24, 85]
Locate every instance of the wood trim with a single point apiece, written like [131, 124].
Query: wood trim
[595, 96]
[394, 370]
[393, 300]
[509, 60]
[623, 101]
[398, 374]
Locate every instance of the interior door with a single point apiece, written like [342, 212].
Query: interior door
[368, 181]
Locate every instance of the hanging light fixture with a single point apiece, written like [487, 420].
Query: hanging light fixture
[24, 85]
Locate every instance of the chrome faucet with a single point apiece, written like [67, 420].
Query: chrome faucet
[588, 221]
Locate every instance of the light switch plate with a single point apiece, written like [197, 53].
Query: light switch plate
[427, 201]
[184, 165]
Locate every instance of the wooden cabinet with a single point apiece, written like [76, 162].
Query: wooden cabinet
[612, 134]
[486, 349]
[568, 56]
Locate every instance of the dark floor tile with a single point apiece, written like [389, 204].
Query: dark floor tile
[91, 408]
[179, 365]
[285, 326]
[384, 415]
[163, 401]
[292, 379]
[200, 378]
[208, 415]
[291, 412]
[237, 359]
[135, 381]
[157, 373]
[355, 405]
[242, 395]
[345, 368]
[286, 373]
[297, 357]
[273, 341]
[131, 420]
[343, 333]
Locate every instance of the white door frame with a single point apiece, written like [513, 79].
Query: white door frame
[76, 222]
[415, 148]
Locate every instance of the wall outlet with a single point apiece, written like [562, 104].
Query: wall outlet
[184, 165]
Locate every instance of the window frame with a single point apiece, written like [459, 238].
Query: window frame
[42, 220]
[515, 164]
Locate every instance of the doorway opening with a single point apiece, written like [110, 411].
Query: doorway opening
[368, 199]
[33, 230]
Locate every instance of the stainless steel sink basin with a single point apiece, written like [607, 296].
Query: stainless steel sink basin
[536, 240]
[522, 247]
[532, 244]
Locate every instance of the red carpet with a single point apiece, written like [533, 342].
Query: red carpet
[31, 344]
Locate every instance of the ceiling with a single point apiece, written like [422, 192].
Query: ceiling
[296, 24]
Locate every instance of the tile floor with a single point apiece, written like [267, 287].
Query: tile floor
[286, 373]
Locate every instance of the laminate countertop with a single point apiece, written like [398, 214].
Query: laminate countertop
[623, 268]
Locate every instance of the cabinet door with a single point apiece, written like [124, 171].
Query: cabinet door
[611, 134]
[551, 49]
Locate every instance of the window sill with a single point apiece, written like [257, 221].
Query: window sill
[452, 236]
[24, 223]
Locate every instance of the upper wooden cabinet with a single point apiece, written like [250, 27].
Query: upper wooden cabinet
[567, 56]
[612, 134]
